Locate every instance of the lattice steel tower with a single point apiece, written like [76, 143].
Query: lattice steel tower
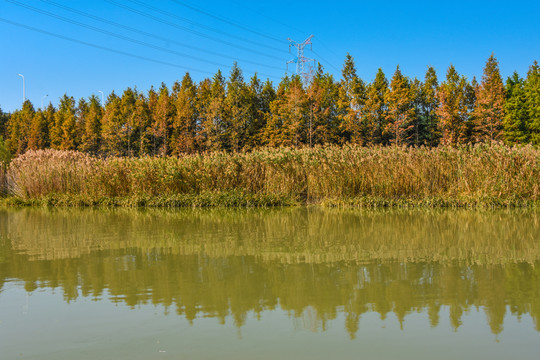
[302, 67]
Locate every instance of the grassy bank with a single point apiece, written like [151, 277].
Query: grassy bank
[480, 175]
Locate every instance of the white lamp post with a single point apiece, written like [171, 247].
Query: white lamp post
[23, 90]
[102, 101]
[43, 97]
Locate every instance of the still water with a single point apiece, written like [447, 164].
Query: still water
[299, 283]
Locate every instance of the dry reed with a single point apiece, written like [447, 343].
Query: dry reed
[472, 175]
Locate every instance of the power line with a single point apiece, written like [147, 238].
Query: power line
[141, 32]
[122, 37]
[260, 13]
[175, 16]
[224, 20]
[155, 18]
[102, 47]
[326, 61]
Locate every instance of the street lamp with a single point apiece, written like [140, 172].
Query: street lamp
[43, 97]
[23, 93]
[102, 101]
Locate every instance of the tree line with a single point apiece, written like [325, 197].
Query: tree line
[233, 114]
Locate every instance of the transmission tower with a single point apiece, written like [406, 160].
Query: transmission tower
[303, 69]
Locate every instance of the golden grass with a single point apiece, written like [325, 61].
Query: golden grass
[345, 176]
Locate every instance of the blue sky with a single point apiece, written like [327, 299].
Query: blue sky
[202, 36]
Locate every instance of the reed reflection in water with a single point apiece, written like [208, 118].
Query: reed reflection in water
[315, 264]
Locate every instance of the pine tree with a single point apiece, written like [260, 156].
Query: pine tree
[532, 103]
[400, 115]
[375, 110]
[63, 131]
[323, 121]
[489, 110]
[273, 133]
[163, 117]
[293, 130]
[515, 112]
[455, 102]
[351, 98]
[111, 127]
[213, 129]
[259, 97]
[205, 128]
[236, 111]
[18, 128]
[4, 119]
[428, 104]
[185, 120]
[127, 104]
[39, 132]
[143, 126]
[91, 137]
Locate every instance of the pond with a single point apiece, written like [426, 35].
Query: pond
[302, 283]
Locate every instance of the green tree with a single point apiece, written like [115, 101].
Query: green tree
[515, 129]
[272, 132]
[111, 127]
[213, 128]
[400, 114]
[163, 117]
[489, 109]
[63, 132]
[323, 122]
[39, 132]
[375, 110]
[91, 138]
[351, 99]
[236, 111]
[18, 128]
[184, 125]
[143, 126]
[428, 102]
[532, 103]
[127, 104]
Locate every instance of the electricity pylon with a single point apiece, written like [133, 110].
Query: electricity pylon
[302, 67]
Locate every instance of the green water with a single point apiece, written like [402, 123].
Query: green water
[264, 284]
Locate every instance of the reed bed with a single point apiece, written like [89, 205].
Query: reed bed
[479, 175]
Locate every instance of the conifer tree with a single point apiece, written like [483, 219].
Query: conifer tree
[400, 114]
[259, 98]
[143, 126]
[205, 128]
[489, 110]
[213, 128]
[351, 100]
[515, 111]
[236, 111]
[293, 131]
[91, 137]
[532, 103]
[18, 128]
[272, 133]
[323, 122]
[456, 100]
[4, 118]
[39, 132]
[111, 126]
[375, 109]
[63, 132]
[163, 117]
[127, 104]
[185, 119]
[428, 103]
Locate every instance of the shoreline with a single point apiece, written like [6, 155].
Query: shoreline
[242, 200]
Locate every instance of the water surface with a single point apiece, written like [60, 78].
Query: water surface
[260, 284]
